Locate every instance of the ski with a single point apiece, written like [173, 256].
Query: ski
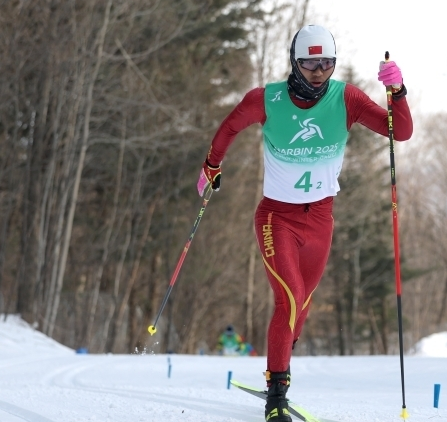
[294, 409]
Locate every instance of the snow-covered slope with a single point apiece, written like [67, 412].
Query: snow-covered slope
[42, 381]
[18, 338]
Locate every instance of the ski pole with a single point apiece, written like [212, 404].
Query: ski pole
[152, 328]
[404, 413]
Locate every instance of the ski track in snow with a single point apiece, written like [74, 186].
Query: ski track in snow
[11, 413]
[81, 378]
[84, 380]
[42, 381]
[71, 376]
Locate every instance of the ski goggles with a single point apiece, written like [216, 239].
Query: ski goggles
[313, 64]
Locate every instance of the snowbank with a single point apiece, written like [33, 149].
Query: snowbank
[432, 346]
[17, 336]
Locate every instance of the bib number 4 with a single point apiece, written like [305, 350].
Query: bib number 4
[305, 182]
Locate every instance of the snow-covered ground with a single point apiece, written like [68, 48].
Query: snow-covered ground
[43, 381]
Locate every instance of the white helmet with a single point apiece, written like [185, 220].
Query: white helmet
[313, 42]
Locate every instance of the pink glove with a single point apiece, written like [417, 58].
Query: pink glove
[209, 174]
[390, 74]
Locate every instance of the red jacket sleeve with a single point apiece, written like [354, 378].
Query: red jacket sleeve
[361, 109]
[249, 111]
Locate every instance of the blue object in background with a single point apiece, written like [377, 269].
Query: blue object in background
[82, 350]
[436, 395]
[169, 367]
[229, 379]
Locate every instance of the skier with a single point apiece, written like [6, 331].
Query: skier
[230, 342]
[305, 123]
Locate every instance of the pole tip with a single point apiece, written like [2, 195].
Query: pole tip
[387, 55]
[404, 415]
[152, 330]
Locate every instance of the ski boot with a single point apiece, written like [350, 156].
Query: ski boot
[276, 407]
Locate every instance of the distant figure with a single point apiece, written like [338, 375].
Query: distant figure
[230, 342]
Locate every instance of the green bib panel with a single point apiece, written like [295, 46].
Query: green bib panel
[295, 135]
[303, 149]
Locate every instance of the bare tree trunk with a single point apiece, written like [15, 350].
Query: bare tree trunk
[200, 307]
[44, 209]
[443, 308]
[4, 232]
[63, 190]
[105, 252]
[156, 283]
[133, 200]
[132, 322]
[23, 288]
[376, 332]
[136, 266]
[52, 301]
[356, 291]
[6, 206]
[50, 196]
[106, 245]
[80, 166]
[48, 180]
[339, 320]
[109, 339]
[153, 294]
[384, 331]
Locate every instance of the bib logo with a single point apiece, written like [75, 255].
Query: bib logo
[309, 130]
[277, 96]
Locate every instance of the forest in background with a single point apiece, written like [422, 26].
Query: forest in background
[108, 109]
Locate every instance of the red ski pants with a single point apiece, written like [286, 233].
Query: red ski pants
[294, 240]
